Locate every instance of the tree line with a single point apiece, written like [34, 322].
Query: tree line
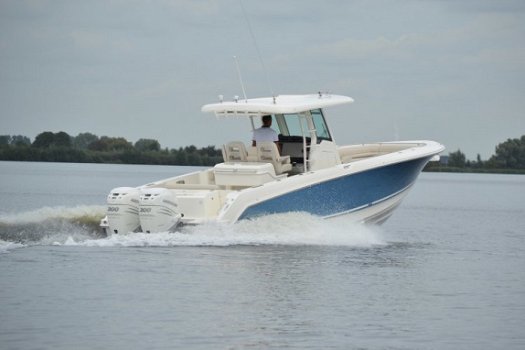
[86, 147]
[509, 157]
[89, 148]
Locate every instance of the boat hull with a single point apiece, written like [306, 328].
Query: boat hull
[367, 196]
[366, 188]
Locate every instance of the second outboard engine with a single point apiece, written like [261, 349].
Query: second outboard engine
[158, 210]
[123, 210]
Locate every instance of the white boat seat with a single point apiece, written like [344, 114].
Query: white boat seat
[252, 154]
[268, 153]
[234, 151]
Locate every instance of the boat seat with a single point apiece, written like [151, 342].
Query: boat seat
[268, 153]
[234, 151]
[252, 154]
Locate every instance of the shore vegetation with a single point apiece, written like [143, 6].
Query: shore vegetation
[89, 148]
[509, 156]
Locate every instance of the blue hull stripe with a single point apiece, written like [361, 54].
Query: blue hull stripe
[343, 194]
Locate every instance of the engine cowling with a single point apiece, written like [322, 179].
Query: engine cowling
[158, 210]
[123, 210]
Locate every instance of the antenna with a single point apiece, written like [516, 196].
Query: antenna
[257, 48]
[240, 78]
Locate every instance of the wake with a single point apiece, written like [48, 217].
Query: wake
[49, 225]
[78, 226]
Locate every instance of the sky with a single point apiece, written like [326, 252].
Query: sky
[452, 71]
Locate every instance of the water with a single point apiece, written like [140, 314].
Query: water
[446, 271]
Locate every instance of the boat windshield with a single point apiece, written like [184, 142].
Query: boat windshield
[298, 124]
[320, 125]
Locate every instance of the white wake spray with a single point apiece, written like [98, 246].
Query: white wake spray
[282, 229]
[82, 213]
[49, 225]
[78, 226]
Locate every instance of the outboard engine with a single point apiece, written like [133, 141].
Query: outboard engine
[158, 210]
[123, 210]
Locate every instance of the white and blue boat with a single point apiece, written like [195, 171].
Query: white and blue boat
[310, 173]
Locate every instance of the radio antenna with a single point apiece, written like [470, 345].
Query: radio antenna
[257, 48]
[240, 78]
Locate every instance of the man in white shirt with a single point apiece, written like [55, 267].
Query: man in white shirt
[265, 133]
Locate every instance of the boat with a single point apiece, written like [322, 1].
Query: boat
[308, 173]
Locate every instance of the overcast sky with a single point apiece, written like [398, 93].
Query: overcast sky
[446, 70]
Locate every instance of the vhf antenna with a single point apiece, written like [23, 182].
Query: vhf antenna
[257, 49]
[240, 78]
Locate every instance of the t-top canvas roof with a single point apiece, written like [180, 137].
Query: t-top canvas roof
[282, 104]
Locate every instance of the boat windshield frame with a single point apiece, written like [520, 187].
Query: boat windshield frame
[309, 124]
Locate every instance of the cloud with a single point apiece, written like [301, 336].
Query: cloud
[482, 40]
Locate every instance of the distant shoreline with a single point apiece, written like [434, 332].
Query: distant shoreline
[445, 169]
[430, 168]
[509, 156]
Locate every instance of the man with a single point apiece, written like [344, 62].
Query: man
[265, 133]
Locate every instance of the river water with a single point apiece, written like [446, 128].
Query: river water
[447, 271]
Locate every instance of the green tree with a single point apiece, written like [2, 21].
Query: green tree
[190, 149]
[5, 140]
[210, 151]
[509, 154]
[62, 139]
[101, 145]
[83, 140]
[49, 139]
[110, 144]
[119, 144]
[19, 140]
[145, 145]
[180, 157]
[457, 159]
[44, 140]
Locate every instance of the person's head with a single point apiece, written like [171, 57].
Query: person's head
[267, 120]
